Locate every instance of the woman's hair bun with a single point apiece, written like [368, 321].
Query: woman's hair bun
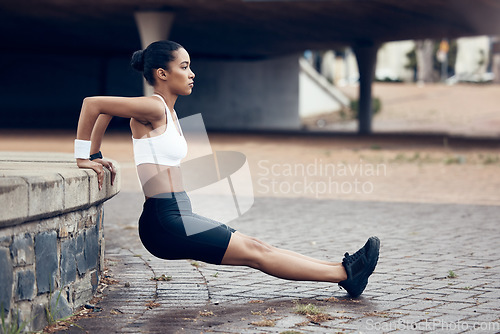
[137, 61]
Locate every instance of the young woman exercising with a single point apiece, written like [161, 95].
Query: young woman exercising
[159, 147]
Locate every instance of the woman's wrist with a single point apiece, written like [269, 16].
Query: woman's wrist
[82, 149]
[97, 155]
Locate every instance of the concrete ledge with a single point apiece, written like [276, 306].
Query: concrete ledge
[35, 185]
[51, 235]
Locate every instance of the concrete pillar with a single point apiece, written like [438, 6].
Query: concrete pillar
[153, 26]
[366, 55]
[425, 58]
[495, 59]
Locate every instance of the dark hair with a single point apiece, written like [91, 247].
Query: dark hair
[156, 55]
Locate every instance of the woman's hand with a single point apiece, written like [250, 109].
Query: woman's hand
[97, 167]
[109, 166]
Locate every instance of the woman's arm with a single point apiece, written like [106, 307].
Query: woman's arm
[96, 139]
[98, 132]
[95, 115]
[143, 109]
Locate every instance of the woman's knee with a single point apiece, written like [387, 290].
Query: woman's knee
[258, 252]
[247, 251]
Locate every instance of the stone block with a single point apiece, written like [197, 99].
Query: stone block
[76, 188]
[59, 307]
[91, 247]
[5, 241]
[24, 316]
[39, 316]
[80, 242]
[81, 263]
[22, 250]
[46, 261]
[25, 285]
[14, 199]
[82, 291]
[6, 279]
[68, 261]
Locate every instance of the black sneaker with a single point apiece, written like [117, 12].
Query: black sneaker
[359, 266]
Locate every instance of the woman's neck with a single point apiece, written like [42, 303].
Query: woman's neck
[169, 98]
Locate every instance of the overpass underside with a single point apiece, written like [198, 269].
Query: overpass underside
[103, 34]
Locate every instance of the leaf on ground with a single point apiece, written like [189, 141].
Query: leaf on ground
[264, 323]
[152, 304]
[206, 313]
[303, 323]
[319, 318]
[270, 310]
[161, 278]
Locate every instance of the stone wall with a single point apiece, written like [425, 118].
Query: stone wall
[51, 235]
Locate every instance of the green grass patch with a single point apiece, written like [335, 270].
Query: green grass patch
[308, 309]
[161, 278]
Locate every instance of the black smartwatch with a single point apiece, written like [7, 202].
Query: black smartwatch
[97, 155]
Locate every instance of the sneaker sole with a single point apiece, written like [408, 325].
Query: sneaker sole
[372, 245]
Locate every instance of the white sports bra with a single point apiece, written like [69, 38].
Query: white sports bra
[167, 149]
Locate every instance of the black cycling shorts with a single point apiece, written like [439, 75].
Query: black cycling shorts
[170, 230]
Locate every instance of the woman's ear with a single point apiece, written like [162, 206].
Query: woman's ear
[162, 74]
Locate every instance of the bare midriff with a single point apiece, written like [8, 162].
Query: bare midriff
[159, 179]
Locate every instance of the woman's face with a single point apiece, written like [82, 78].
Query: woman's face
[180, 78]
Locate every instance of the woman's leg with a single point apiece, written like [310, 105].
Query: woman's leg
[292, 253]
[247, 251]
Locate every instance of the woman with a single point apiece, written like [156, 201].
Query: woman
[159, 146]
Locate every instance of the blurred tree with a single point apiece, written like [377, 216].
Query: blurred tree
[412, 62]
[433, 70]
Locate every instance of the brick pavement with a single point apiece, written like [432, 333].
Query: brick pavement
[410, 289]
